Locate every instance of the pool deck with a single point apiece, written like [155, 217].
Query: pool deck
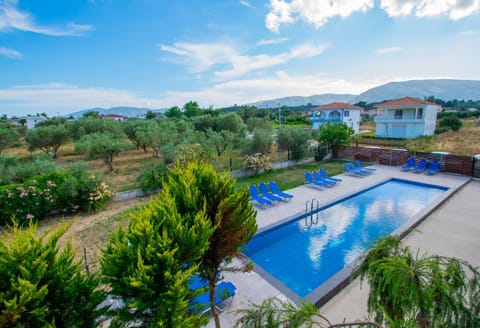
[452, 229]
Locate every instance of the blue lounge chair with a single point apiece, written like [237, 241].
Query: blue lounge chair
[318, 177]
[256, 197]
[325, 176]
[433, 168]
[310, 180]
[201, 303]
[409, 165]
[276, 191]
[265, 193]
[359, 165]
[421, 166]
[350, 169]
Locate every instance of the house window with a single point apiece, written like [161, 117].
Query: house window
[419, 113]
[346, 113]
[398, 114]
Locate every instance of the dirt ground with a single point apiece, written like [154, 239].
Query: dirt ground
[91, 231]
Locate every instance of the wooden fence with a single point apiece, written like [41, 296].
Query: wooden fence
[464, 165]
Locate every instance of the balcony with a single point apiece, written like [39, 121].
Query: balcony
[399, 119]
[325, 120]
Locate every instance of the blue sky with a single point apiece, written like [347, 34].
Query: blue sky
[62, 56]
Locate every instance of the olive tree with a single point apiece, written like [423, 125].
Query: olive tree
[335, 134]
[102, 145]
[47, 138]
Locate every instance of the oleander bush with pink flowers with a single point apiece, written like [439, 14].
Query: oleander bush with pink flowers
[70, 191]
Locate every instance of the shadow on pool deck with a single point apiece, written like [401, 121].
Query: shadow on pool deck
[455, 221]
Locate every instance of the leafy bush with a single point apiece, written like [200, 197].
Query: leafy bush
[153, 177]
[67, 192]
[256, 162]
[42, 286]
[451, 122]
[41, 164]
[13, 171]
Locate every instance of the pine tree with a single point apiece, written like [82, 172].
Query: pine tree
[198, 185]
[149, 265]
[41, 286]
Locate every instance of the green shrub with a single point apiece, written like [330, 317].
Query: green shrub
[256, 162]
[40, 164]
[67, 192]
[451, 122]
[42, 286]
[152, 178]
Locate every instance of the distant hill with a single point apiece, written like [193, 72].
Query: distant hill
[125, 111]
[442, 89]
[299, 101]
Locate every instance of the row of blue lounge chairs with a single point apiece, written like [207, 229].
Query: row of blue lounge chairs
[421, 166]
[263, 196]
[320, 178]
[356, 169]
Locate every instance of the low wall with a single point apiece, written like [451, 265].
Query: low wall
[397, 157]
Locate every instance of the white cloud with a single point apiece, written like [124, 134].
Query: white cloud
[384, 51]
[318, 12]
[315, 12]
[57, 97]
[13, 18]
[229, 63]
[470, 32]
[246, 3]
[280, 85]
[455, 9]
[10, 53]
[271, 41]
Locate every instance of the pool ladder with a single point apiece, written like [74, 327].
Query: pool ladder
[310, 206]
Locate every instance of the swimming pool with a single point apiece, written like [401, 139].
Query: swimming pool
[304, 253]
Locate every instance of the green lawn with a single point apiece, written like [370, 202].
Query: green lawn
[293, 176]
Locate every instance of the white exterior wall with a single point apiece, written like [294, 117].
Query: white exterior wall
[353, 121]
[33, 120]
[409, 126]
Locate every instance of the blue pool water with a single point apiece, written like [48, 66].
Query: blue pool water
[304, 253]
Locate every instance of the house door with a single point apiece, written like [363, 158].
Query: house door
[399, 131]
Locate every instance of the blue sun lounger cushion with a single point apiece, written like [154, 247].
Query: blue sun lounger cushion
[265, 193]
[325, 176]
[421, 166]
[310, 180]
[353, 171]
[276, 190]
[359, 165]
[318, 177]
[433, 168]
[409, 165]
[256, 197]
[223, 291]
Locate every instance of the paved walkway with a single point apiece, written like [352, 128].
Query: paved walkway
[452, 230]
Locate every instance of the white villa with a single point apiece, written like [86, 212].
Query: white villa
[406, 118]
[336, 113]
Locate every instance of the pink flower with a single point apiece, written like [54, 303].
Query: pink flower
[29, 216]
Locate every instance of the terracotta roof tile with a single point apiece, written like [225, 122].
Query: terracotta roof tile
[337, 105]
[405, 101]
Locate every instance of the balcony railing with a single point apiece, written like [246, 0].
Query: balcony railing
[325, 120]
[409, 118]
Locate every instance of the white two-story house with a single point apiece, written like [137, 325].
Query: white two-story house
[336, 113]
[406, 118]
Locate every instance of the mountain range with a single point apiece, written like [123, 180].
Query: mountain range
[445, 89]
